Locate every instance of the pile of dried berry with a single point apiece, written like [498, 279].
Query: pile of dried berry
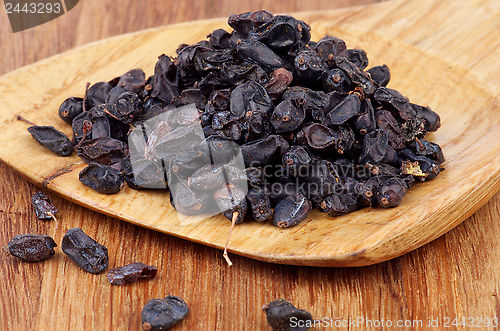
[314, 127]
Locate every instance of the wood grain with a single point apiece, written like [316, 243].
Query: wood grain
[452, 277]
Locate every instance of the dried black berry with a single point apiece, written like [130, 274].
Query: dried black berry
[187, 201]
[278, 82]
[162, 314]
[131, 273]
[231, 199]
[431, 119]
[309, 66]
[283, 316]
[329, 47]
[380, 74]
[44, 208]
[419, 166]
[288, 115]
[339, 204]
[348, 108]
[102, 178]
[264, 151]
[133, 80]
[87, 253]
[53, 139]
[391, 97]
[358, 57]
[259, 203]
[32, 247]
[391, 192]
[291, 210]
[297, 160]
[336, 80]
[97, 94]
[71, 108]
[429, 149]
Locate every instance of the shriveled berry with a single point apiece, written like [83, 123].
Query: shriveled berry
[32, 247]
[44, 208]
[259, 204]
[288, 115]
[358, 57]
[348, 108]
[283, 316]
[291, 210]
[296, 160]
[391, 192]
[431, 119]
[53, 139]
[71, 108]
[339, 204]
[329, 46]
[231, 198]
[131, 273]
[187, 201]
[102, 178]
[162, 314]
[336, 80]
[87, 253]
[380, 74]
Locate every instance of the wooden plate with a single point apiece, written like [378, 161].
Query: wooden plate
[443, 54]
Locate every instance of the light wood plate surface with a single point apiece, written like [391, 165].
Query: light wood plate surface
[441, 54]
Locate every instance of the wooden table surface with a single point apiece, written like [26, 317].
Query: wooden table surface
[453, 279]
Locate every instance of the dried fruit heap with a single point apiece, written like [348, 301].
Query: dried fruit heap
[315, 128]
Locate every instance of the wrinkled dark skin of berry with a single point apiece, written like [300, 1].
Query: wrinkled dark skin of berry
[380, 74]
[71, 108]
[53, 139]
[44, 208]
[103, 150]
[336, 80]
[391, 97]
[162, 314]
[358, 57]
[348, 108]
[375, 147]
[429, 168]
[432, 121]
[259, 204]
[288, 115]
[87, 253]
[429, 149]
[330, 46]
[131, 273]
[133, 80]
[283, 316]
[391, 192]
[32, 247]
[97, 94]
[144, 174]
[277, 84]
[264, 151]
[231, 198]
[296, 160]
[339, 204]
[187, 201]
[291, 210]
[102, 178]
